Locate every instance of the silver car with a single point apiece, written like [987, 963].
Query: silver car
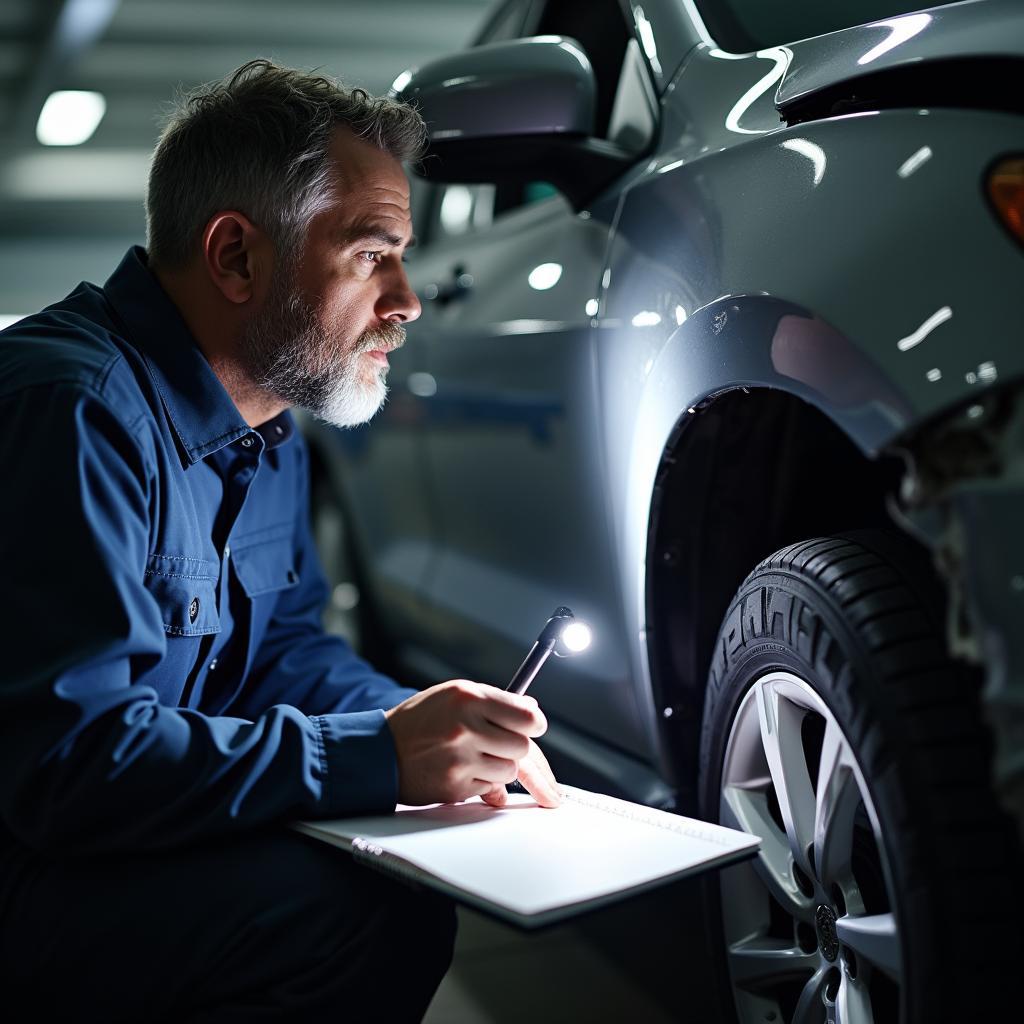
[721, 347]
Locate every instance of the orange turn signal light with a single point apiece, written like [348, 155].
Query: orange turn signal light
[1006, 190]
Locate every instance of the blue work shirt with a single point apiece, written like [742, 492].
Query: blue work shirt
[165, 675]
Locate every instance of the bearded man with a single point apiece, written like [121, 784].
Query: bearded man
[169, 700]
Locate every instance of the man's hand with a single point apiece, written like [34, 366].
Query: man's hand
[461, 739]
[536, 775]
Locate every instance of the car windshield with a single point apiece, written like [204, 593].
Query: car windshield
[742, 26]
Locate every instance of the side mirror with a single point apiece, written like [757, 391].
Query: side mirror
[514, 112]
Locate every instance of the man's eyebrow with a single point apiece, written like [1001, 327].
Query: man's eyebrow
[377, 232]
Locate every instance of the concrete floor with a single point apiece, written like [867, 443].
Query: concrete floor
[645, 960]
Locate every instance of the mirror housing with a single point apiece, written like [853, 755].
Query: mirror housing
[513, 112]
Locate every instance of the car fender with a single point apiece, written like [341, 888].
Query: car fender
[738, 341]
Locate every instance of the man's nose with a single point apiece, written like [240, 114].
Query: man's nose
[399, 302]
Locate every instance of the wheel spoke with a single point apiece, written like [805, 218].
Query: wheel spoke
[853, 1003]
[780, 722]
[873, 938]
[810, 1008]
[747, 810]
[837, 802]
[759, 963]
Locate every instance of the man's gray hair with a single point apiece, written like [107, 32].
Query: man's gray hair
[257, 142]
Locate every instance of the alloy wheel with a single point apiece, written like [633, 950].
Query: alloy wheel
[810, 925]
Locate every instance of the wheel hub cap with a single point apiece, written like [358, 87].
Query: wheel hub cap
[828, 940]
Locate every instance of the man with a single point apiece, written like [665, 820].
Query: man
[169, 700]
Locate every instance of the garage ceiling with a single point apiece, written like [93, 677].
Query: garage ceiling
[65, 208]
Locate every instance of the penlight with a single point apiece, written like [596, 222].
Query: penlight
[562, 636]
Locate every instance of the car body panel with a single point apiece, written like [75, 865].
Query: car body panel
[906, 183]
[975, 28]
[512, 385]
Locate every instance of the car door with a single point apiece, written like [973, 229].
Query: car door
[509, 286]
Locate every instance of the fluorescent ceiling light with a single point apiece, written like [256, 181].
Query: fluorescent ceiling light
[69, 117]
[76, 174]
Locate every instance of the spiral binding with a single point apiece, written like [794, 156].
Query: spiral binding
[379, 858]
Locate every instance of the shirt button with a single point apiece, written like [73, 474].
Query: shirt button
[247, 442]
[227, 550]
[279, 429]
[213, 664]
[193, 610]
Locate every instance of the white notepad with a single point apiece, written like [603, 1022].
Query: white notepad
[532, 865]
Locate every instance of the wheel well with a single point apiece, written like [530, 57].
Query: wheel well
[745, 474]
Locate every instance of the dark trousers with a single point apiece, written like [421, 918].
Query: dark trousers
[268, 927]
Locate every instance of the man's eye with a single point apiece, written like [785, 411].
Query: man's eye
[372, 257]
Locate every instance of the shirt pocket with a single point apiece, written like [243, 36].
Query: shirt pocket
[265, 561]
[186, 591]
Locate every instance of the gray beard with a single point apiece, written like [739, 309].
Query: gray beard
[289, 352]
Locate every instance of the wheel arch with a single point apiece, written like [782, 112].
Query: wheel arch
[779, 463]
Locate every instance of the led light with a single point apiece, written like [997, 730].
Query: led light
[1006, 190]
[401, 82]
[591, 307]
[646, 318]
[69, 117]
[545, 276]
[576, 636]
[456, 209]
[912, 163]
[422, 385]
[940, 316]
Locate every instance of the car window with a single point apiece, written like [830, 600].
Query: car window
[741, 26]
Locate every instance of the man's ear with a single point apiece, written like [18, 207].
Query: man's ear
[234, 255]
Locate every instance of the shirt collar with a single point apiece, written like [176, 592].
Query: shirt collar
[200, 410]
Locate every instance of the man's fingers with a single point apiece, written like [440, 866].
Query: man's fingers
[513, 711]
[536, 775]
[502, 742]
[495, 769]
[496, 797]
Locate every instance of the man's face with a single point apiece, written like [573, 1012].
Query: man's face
[321, 338]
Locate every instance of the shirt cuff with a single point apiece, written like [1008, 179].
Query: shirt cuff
[359, 763]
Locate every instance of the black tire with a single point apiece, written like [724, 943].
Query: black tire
[859, 619]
